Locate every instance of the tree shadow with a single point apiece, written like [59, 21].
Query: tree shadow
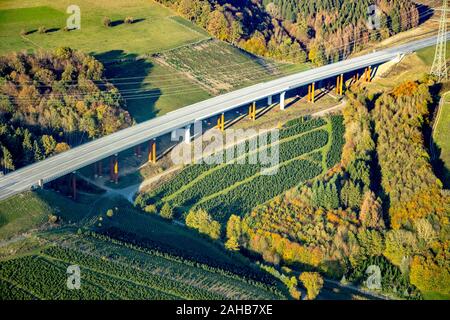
[53, 30]
[116, 23]
[425, 12]
[439, 167]
[128, 74]
[138, 20]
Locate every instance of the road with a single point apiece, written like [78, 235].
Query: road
[88, 153]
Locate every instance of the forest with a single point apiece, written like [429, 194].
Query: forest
[51, 101]
[320, 31]
[382, 204]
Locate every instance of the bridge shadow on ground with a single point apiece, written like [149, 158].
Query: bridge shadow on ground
[129, 75]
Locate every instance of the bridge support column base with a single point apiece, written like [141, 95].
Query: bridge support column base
[252, 111]
[282, 100]
[74, 185]
[187, 134]
[152, 151]
[221, 122]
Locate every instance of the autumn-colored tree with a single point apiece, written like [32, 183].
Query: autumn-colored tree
[49, 144]
[218, 25]
[61, 147]
[400, 244]
[313, 282]
[204, 223]
[371, 214]
[6, 159]
[429, 276]
[256, 44]
[166, 211]
[234, 232]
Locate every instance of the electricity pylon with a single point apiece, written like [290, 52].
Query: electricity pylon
[439, 68]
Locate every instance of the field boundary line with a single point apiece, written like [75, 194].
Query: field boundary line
[215, 168]
[113, 275]
[32, 42]
[441, 105]
[171, 18]
[21, 288]
[249, 179]
[56, 260]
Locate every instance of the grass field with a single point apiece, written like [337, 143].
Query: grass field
[114, 270]
[220, 67]
[442, 140]
[30, 210]
[427, 54]
[153, 31]
[151, 89]
[237, 188]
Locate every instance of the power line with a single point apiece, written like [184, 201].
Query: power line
[439, 67]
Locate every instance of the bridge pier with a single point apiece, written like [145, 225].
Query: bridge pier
[114, 168]
[340, 85]
[368, 74]
[221, 122]
[269, 100]
[252, 111]
[187, 134]
[137, 150]
[312, 92]
[98, 169]
[74, 185]
[152, 151]
[282, 101]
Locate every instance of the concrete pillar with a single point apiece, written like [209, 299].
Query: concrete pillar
[111, 168]
[221, 122]
[139, 153]
[187, 134]
[95, 169]
[173, 135]
[74, 185]
[152, 151]
[282, 102]
[116, 168]
[252, 111]
[269, 100]
[338, 82]
[313, 92]
[100, 168]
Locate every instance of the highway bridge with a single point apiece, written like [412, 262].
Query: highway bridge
[91, 152]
